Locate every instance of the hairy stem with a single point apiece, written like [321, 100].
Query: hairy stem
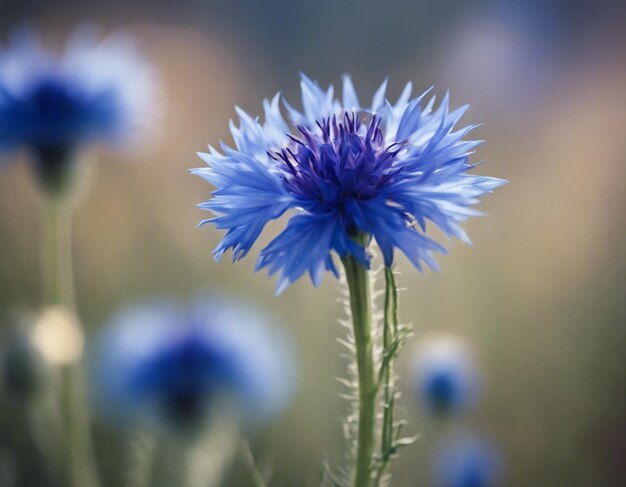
[360, 305]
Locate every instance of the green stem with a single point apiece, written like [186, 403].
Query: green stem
[360, 305]
[390, 335]
[59, 290]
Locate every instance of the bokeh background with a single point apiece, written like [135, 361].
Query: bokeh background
[541, 294]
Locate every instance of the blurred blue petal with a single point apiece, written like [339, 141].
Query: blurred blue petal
[175, 366]
[466, 460]
[95, 90]
[445, 377]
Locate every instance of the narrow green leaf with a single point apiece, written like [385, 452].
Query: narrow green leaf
[391, 346]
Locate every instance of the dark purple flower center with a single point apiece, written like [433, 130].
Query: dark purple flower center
[58, 113]
[442, 391]
[51, 98]
[184, 378]
[343, 160]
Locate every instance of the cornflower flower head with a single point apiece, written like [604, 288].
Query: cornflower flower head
[174, 367]
[445, 377]
[55, 104]
[466, 460]
[343, 168]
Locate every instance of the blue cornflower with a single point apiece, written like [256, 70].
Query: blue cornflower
[445, 378]
[173, 366]
[345, 168]
[466, 460]
[55, 104]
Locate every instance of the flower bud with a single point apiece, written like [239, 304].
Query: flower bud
[22, 366]
[445, 378]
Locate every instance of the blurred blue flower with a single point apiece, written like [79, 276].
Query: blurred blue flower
[173, 366]
[445, 378]
[380, 168]
[95, 90]
[465, 460]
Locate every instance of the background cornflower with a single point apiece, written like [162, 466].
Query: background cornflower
[379, 169]
[174, 367]
[444, 376]
[56, 104]
[53, 106]
[466, 460]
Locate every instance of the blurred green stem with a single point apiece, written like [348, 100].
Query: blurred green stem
[59, 290]
[255, 474]
[58, 274]
[170, 465]
[360, 306]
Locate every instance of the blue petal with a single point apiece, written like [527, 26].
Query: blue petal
[305, 246]
[317, 103]
[249, 195]
[350, 100]
[390, 229]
